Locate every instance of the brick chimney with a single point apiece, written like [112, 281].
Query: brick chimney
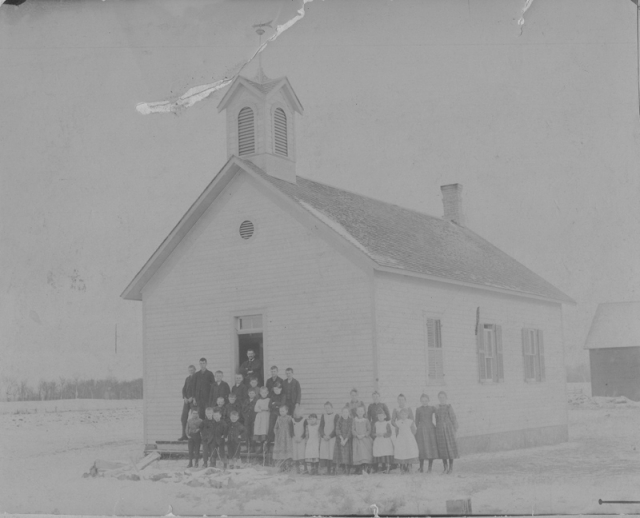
[452, 201]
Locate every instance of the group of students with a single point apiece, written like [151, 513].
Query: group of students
[367, 438]
[361, 437]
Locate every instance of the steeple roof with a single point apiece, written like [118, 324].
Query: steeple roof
[263, 87]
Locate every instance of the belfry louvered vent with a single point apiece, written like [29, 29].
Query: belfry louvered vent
[280, 132]
[246, 132]
[246, 229]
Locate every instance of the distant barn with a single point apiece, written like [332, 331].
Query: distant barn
[347, 290]
[614, 350]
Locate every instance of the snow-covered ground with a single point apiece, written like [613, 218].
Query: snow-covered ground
[44, 456]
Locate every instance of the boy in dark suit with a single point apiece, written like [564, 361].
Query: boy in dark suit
[249, 414]
[219, 436]
[193, 434]
[219, 389]
[232, 406]
[240, 390]
[188, 398]
[203, 381]
[234, 438]
[292, 391]
[273, 380]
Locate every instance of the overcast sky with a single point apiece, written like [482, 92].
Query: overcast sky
[400, 97]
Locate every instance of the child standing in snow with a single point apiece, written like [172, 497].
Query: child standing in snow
[342, 452]
[362, 442]
[312, 448]
[193, 433]
[327, 433]
[206, 435]
[276, 400]
[426, 434]
[299, 439]
[382, 445]
[446, 428]
[261, 425]
[249, 415]
[235, 437]
[405, 449]
[283, 438]
[217, 445]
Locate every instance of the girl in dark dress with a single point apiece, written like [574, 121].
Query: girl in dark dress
[446, 428]
[342, 451]
[426, 433]
[275, 402]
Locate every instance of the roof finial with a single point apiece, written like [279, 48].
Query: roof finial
[260, 76]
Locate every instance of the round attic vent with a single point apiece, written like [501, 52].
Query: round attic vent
[246, 229]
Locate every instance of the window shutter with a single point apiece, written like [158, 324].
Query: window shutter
[280, 132]
[525, 349]
[480, 351]
[499, 375]
[246, 132]
[431, 344]
[541, 355]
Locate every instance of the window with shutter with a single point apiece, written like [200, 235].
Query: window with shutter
[434, 348]
[490, 353]
[482, 375]
[246, 132]
[541, 356]
[280, 143]
[533, 354]
[499, 363]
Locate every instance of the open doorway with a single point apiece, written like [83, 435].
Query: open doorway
[249, 332]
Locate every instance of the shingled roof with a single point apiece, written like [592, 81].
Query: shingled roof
[395, 239]
[403, 239]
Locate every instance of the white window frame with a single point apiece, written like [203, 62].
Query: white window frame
[490, 353]
[435, 354]
[533, 355]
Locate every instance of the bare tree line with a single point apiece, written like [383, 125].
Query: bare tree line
[71, 388]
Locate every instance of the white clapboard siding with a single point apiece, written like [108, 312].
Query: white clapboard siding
[316, 305]
[402, 306]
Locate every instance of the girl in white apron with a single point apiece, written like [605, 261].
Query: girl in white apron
[312, 449]
[299, 441]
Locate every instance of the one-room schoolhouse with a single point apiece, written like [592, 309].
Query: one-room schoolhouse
[347, 290]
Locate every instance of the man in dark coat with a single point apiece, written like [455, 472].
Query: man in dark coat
[188, 393]
[219, 389]
[203, 382]
[292, 391]
[251, 367]
[274, 380]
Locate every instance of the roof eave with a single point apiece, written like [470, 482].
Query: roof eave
[495, 289]
[134, 290]
[237, 83]
[293, 98]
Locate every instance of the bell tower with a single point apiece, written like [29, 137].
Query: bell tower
[261, 123]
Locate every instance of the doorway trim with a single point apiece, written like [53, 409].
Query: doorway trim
[233, 337]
